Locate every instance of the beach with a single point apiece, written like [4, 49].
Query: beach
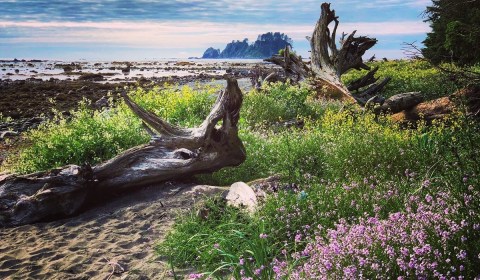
[113, 240]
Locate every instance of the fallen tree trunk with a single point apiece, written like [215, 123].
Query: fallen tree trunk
[174, 153]
[466, 100]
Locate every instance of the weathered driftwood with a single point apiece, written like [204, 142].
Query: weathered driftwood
[174, 153]
[400, 102]
[295, 69]
[260, 75]
[329, 63]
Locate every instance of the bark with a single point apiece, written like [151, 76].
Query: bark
[466, 100]
[174, 152]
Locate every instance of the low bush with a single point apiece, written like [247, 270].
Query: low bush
[90, 136]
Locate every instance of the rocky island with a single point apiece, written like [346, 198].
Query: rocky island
[265, 46]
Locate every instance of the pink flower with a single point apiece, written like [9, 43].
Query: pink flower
[194, 276]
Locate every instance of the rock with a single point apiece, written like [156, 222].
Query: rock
[241, 195]
[31, 123]
[102, 103]
[184, 63]
[91, 77]
[7, 134]
[211, 53]
[265, 185]
[126, 70]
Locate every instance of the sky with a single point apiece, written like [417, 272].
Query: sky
[148, 29]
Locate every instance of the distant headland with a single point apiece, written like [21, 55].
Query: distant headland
[265, 46]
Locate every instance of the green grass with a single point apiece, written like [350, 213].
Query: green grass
[408, 76]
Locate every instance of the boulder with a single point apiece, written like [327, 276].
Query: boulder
[241, 195]
[31, 123]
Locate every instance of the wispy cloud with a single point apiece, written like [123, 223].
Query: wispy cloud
[209, 10]
[178, 33]
[187, 24]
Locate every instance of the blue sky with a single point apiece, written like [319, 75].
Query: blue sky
[148, 29]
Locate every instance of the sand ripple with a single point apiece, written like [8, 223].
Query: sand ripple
[119, 236]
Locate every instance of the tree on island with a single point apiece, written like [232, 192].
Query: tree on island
[265, 46]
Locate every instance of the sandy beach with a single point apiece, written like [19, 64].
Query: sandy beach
[115, 240]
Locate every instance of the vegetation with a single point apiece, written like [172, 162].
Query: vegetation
[94, 136]
[360, 197]
[455, 32]
[408, 76]
[265, 46]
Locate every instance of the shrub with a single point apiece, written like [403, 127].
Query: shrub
[90, 136]
[408, 76]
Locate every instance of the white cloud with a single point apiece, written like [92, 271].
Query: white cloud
[177, 34]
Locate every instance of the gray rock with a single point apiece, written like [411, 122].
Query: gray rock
[31, 123]
[101, 103]
[241, 195]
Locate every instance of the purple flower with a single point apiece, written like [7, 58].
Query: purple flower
[194, 276]
[298, 237]
[263, 235]
[462, 255]
[426, 183]
[216, 246]
[257, 271]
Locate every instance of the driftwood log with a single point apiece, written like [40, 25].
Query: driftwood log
[173, 152]
[328, 63]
